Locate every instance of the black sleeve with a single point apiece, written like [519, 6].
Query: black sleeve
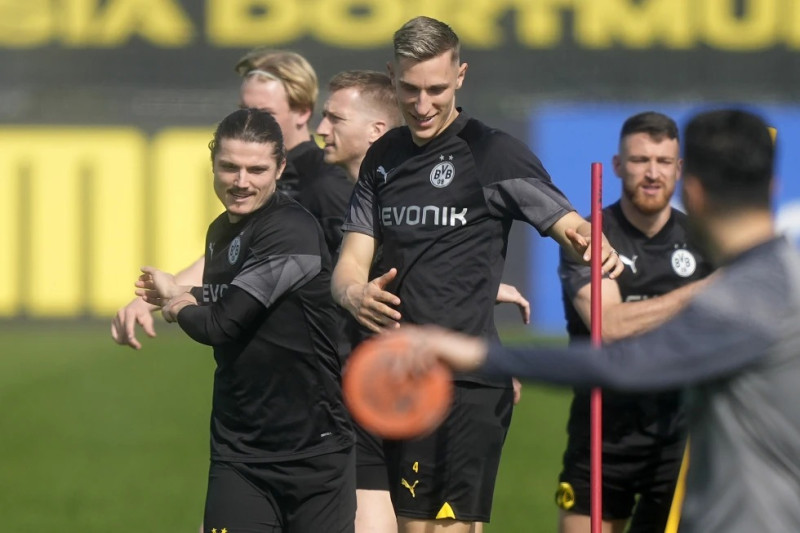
[327, 198]
[362, 215]
[224, 321]
[695, 346]
[282, 260]
[516, 185]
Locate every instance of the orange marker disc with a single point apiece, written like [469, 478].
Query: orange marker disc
[392, 406]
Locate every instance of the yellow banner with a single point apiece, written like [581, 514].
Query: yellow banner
[729, 25]
[83, 208]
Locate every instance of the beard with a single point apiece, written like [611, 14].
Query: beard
[648, 204]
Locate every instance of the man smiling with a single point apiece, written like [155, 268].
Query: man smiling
[439, 196]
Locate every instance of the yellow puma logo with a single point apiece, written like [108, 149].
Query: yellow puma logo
[409, 487]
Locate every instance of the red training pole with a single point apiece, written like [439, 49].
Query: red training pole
[596, 444]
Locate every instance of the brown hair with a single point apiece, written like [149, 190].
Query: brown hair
[422, 38]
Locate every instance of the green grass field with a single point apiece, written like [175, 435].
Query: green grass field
[99, 438]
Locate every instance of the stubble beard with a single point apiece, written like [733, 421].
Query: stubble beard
[646, 204]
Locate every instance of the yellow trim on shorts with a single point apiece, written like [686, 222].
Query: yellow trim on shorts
[445, 512]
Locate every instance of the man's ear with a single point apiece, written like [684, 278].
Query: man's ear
[616, 163]
[462, 71]
[302, 117]
[390, 70]
[281, 169]
[376, 130]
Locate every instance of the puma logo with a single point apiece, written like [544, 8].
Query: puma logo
[410, 488]
[630, 263]
[384, 172]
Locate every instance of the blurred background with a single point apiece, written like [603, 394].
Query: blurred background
[106, 108]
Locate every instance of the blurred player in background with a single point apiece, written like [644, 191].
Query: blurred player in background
[285, 85]
[643, 434]
[360, 108]
[282, 456]
[438, 197]
[736, 346]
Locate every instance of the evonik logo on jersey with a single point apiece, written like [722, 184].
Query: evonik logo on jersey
[213, 291]
[427, 215]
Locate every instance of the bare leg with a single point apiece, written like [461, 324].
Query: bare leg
[375, 513]
[409, 525]
[579, 523]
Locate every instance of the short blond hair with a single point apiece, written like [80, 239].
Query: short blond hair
[375, 89]
[290, 68]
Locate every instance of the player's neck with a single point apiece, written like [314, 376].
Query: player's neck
[648, 224]
[730, 236]
[297, 137]
[352, 168]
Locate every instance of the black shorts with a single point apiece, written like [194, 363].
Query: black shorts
[451, 473]
[638, 462]
[371, 473]
[313, 494]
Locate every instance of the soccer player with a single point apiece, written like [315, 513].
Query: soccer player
[643, 434]
[282, 455]
[438, 197]
[285, 85]
[360, 108]
[735, 347]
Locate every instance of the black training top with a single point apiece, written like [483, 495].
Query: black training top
[442, 212]
[321, 188]
[265, 307]
[653, 266]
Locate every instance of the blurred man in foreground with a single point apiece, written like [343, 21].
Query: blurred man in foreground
[736, 346]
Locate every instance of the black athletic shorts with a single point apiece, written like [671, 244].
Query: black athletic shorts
[451, 473]
[300, 496]
[371, 473]
[643, 447]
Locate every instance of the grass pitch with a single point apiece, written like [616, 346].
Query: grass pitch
[99, 438]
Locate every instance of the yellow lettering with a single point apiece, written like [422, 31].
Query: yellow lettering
[11, 163]
[791, 24]
[182, 195]
[25, 24]
[540, 22]
[116, 230]
[254, 22]
[756, 29]
[415, 466]
[634, 25]
[76, 227]
[478, 22]
[358, 23]
[162, 22]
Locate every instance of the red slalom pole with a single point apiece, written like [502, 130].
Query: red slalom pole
[596, 442]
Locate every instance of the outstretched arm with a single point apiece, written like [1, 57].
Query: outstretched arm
[138, 311]
[367, 301]
[574, 234]
[625, 319]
